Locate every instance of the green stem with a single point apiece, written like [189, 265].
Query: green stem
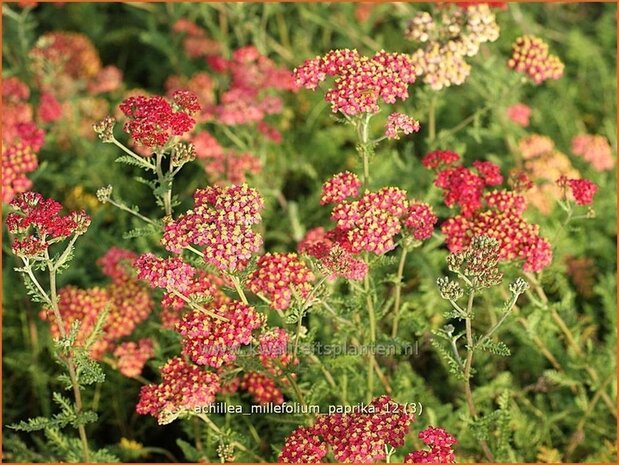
[236, 444]
[141, 160]
[372, 321]
[123, 207]
[167, 196]
[432, 119]
[398, 292]
[239, 289]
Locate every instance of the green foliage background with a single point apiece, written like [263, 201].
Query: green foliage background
[544, 414]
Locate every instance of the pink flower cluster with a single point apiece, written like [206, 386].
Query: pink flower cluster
[273, 348]
[224, 165]
[530, 56]
[398, 123]
[214, 341]
[519, 113]
[252, 75]
[352, 437]
[278, 276]
[340, 187]
[21, 138]
[117, 263]
[183, 387]
[461, 186]
[132, 356]
[441, 447]
[420, 220]
[360, 82]
[595, 150]
[153, 121]
[440, 159]
[582, 190]
[195, 41]
[36, 223]
[221, 222]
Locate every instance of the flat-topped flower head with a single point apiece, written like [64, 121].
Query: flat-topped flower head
[132, 356]
[261, 388]
[582, 190]
[399, 123]
[153, 121]
[171, 274]
[279, 276]
[183, 387]
[212, 341]
[117, 263]
[441, 447]
[420, 220]
[595, 150]
[17, 160]
[340, 187]
[360, 82]
[519, 113]
[530, 56]
[303, 445]
[440, 159]
[221, 224]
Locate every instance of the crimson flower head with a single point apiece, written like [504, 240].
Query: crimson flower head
[441, 447]
[153, 121]
[440, 159]
[360, 82]
[36, 223]
[582, 190]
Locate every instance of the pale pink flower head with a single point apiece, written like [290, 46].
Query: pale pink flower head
[595, 150]
[519, 113]
[398, 123]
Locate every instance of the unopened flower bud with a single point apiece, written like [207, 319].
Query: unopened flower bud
[104, 194]
[105, 129]
[519, 286]
[183, 153]
[450, 290]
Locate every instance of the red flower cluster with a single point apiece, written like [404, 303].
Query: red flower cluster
[35, 223]
[499, 217]
[530, 56]
[420, 220]
[279, 276]
[595, 150]
[117, 263]
[262, 388]
[273, 350]
[183, 388]
[171, 274]
[221, 223]
[152, 121]
[354, 438]
[440, 159]
[49, 109]
[441, 447]
[131, 356]
[340, 187]
[214, 341]
[201, 84]
[360, 82]
[462, 186]
[399, 123]
[582, 190]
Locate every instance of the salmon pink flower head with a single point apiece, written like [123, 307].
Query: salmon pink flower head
[214, 341]
[519, 113]
[530, 56]
[420, 220]
[595, 150]
[221, 223]
[499, 217]
[171, 274]
[17, 160]
[279, 276]
[153, 121]
[360, 82]
[132, 356]
[441, 447]
[117, 263]
[340, 187]
[50, 109]
[582, 190]
[357, 437]
[398, 123]
[183, 387]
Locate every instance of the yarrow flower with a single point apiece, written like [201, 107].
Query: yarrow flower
[49, 109]
[273, 350]
[37, 220]
[214, 341]
[279, 276]
[171, 274]
[441, 447]
[360, 82]
[262, 388]
[132, 356]
[398, 123]
[440, 159]
[340, 187]
[221, 223]
[195, 41]
[152, 121]
[595, 150]
[117, 263]
[530, 56]
[358, 437]
[420, 220]
[519, 113]
[582, 190]
[183, 387]
[458, 34]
